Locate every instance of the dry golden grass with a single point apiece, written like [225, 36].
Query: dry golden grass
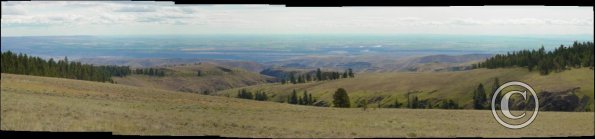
[458, 85]
[51, 104]
[184, 78]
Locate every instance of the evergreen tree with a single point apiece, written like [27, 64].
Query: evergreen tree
[305, 98]
[397, 104]
[414, 103]
[292, 78]
[318, 74]
[562, 58]
[300, 79]
[449, 104]
[30, 65]
[479, 97]
[310, 100]
[341, 99]
[293, 99]
[495, 87]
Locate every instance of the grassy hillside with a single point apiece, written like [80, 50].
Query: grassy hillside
[378, 63]
[442, 85]
[184, 78]
[52, 104]
[154, 62]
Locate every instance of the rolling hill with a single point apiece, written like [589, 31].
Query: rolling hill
[53, 104]
[184, 77]
[154, 62]
[379, 63]
[458, 85]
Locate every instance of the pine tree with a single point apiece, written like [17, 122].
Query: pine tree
[310, 100]
[318, 74]
[414, 103]
[300, 79]
[479, 97]
[562, 58]
[351, 75]
[397, 104]
[341, 99]
[495, 87]
[293, 99]
[305, 98]
[292, 78]
[30, 65]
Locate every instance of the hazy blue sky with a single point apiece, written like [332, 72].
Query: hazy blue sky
[153, 18]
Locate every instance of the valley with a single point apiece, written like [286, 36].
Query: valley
[288, 70]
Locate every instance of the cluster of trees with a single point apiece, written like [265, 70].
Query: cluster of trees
[30, 65]
[415, 103]
[580, 54]
[481, 99]
[449, 104]
[258, 95]
[305, 99]
[341, 99]
[319, 76]
[396, 104]
[150, 71]
[119, 71]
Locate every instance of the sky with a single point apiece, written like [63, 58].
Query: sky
[60, 18]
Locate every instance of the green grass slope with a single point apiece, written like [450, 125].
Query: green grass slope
[184, 78]
[457, 85]
[53, 104]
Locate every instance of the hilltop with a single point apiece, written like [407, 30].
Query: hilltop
[54, 104]
[380, 63]
[156, 62]
[185, 78]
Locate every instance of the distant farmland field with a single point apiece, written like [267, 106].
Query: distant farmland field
[51, 104]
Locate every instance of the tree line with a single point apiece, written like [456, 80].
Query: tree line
[319, 75]
[30, 65]
[579, 54]
[258, 95]
[150, 71]
[413, 102]
[341, 100]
